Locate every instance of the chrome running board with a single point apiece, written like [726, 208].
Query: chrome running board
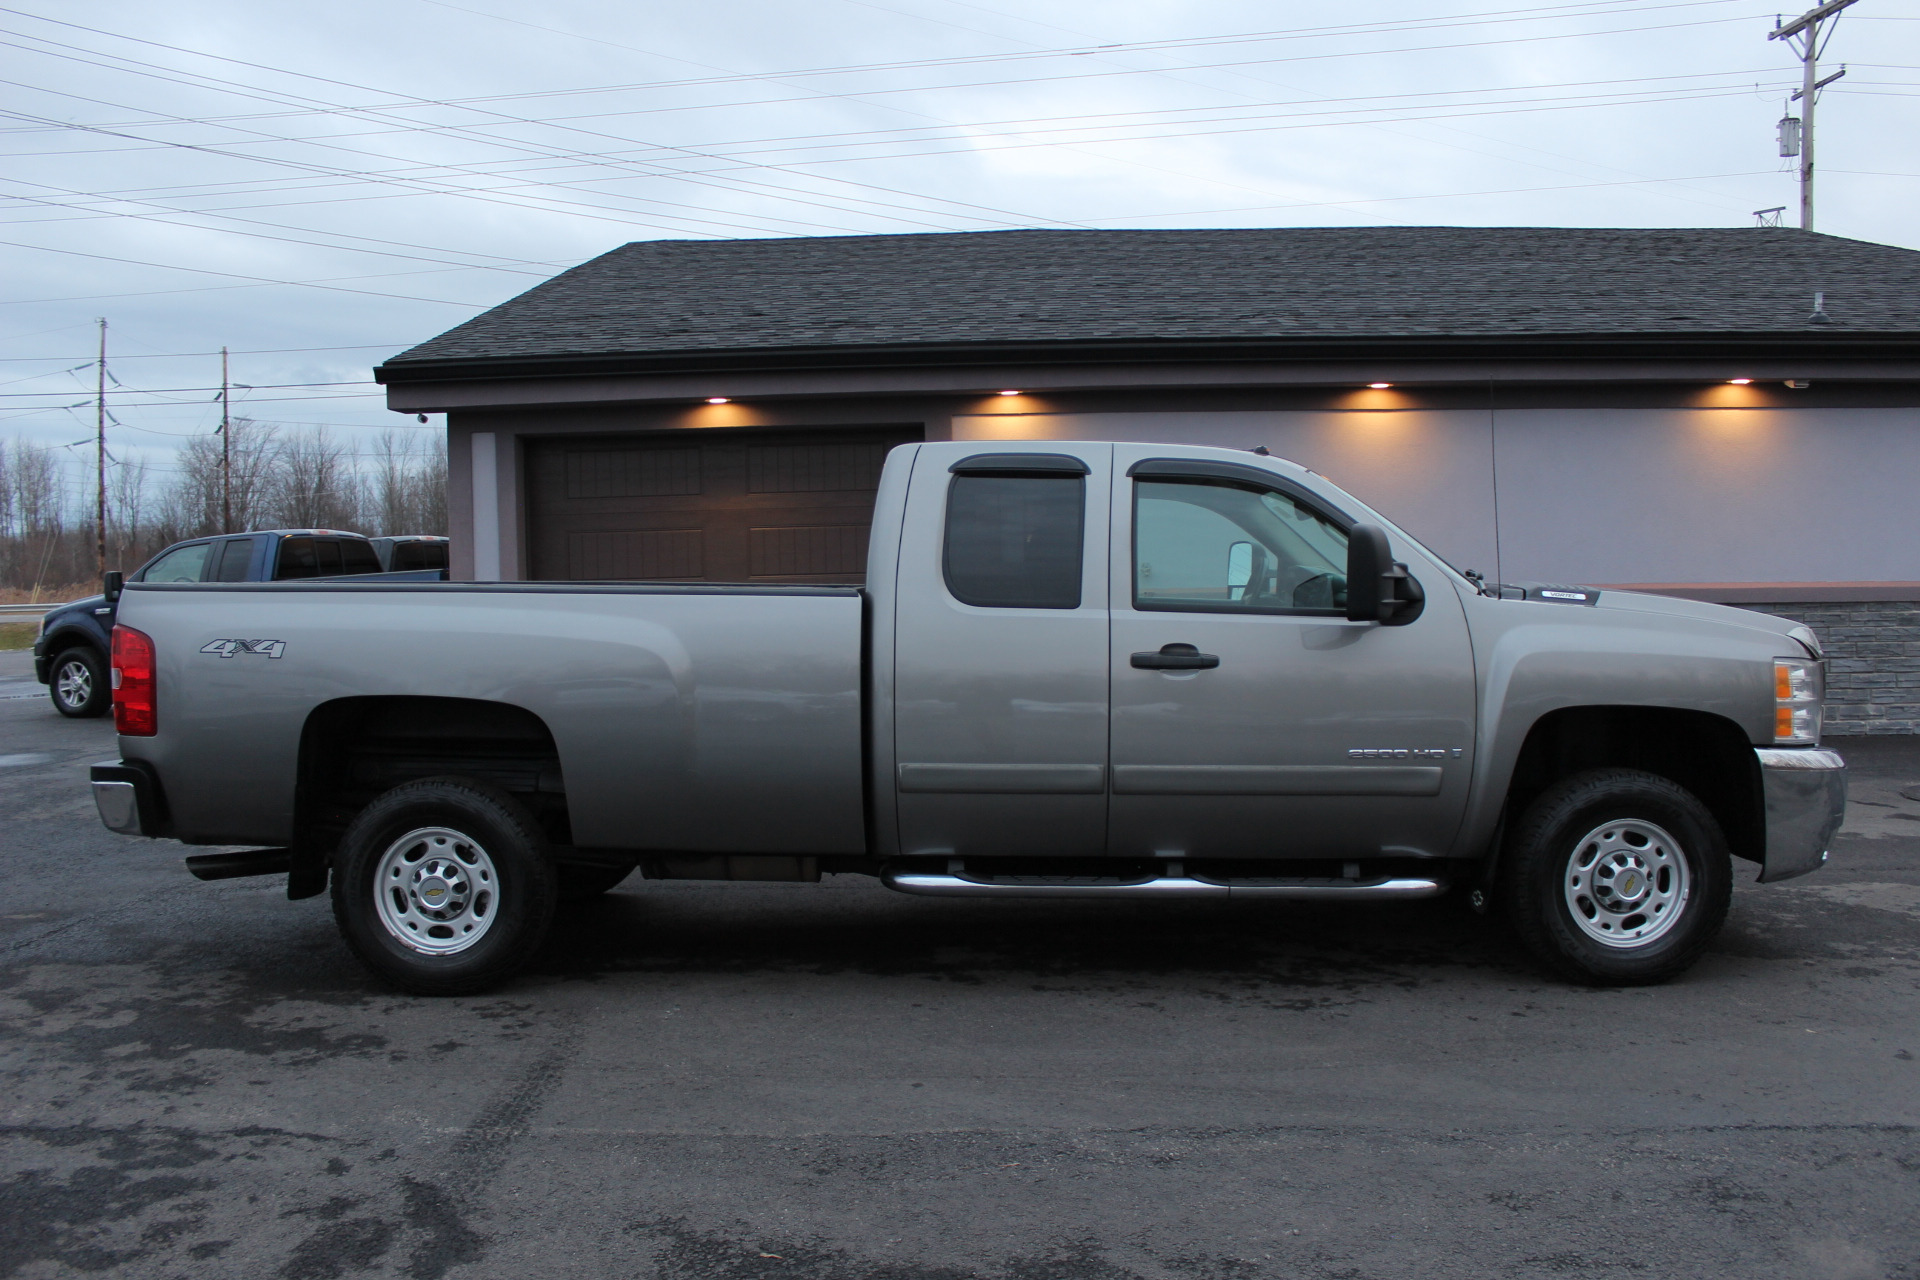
[955, 884]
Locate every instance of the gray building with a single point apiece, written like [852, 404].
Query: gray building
[1729, 415]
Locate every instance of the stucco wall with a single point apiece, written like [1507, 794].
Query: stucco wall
[1591, 495]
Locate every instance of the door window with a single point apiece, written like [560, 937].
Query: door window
[1016, 541]
[182, 564]
[1212, 546]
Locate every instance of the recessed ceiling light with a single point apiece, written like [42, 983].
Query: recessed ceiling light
[1379, 386]
[718, 400]
[1739, 382]
[1009, 393]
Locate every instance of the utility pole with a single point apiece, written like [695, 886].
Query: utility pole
[100, 458]
[226, 450]
[1809, 39]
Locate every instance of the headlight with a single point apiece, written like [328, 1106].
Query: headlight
[1799, 688]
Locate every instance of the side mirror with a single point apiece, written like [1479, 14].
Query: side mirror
[1379, 588]
[1239, 569]
[111, 584]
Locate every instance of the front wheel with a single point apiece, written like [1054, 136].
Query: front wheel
[1616, 877]
[443, 887]
[77, 683]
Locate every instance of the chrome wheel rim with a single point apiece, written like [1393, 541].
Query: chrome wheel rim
[436, 890]
[73, 684]
[1627, 883]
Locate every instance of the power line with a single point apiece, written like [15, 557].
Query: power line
[1589, 10]
[187, 355]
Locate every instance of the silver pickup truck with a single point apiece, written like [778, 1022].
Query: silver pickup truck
[1076, 670]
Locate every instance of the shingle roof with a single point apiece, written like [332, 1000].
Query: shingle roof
[999, 288]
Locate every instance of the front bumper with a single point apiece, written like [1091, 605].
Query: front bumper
[128, 796]
[1805, 791]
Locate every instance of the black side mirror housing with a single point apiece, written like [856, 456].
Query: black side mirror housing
[111, 584]
[1379, 588]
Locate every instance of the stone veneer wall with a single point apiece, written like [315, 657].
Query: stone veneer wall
[1873, 662]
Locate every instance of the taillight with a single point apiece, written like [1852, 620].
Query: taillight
[134, 712]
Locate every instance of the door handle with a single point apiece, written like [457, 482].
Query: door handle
[1176, 657]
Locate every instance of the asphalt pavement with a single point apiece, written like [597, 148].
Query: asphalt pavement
[804, 1082]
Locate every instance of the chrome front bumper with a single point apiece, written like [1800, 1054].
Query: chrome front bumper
[1805, 789]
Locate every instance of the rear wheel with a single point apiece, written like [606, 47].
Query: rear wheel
[77, 682]
[1617, 878]
[443, 887]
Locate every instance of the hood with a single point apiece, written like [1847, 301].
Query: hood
[88, 603]
[1727, 615]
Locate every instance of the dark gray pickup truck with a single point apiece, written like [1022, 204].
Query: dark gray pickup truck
[1077, 670]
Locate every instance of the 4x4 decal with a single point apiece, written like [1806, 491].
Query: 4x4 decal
[227, 648]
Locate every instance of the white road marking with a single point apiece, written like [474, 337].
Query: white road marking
[21, 759]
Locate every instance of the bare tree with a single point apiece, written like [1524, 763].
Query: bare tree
[193, 507]
[278, 478]
[126, 512]
[36, 519]
[316, 484]
[408, 485]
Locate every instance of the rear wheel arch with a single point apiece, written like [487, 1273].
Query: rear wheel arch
[1706, 754]
[355, 750]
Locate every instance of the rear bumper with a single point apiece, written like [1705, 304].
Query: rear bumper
[128, 796]
[1805, 791]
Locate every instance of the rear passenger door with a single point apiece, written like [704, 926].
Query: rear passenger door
[1000, 680]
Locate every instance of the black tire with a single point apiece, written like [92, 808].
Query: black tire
[579, 883]
[1573, 853]
[77, 683]
[506, 897]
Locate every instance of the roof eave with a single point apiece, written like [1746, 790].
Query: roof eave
[1827, 344]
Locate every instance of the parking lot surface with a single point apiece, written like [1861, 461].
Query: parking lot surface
[758, 1082]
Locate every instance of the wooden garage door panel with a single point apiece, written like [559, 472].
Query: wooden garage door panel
[636, 553]
[818, 467]
[807, 551]
[710, 505]
[632, 473]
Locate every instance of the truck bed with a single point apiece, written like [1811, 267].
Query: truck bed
[699, 717]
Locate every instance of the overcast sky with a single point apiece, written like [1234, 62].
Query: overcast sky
[319, 186]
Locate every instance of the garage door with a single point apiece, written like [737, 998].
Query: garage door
[707, 506]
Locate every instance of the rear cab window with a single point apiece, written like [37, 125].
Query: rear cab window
[236, 561]
[297, 560]
[419, 555]
[1016, 532]
[357, 556]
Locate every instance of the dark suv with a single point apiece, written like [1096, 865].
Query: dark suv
[71, 657]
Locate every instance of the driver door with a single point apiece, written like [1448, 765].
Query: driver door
[1250, 719]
